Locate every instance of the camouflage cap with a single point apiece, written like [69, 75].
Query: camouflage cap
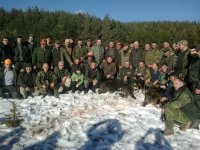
[184, 42]
[57, 42]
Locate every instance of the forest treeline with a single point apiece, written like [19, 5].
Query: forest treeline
[61, 24]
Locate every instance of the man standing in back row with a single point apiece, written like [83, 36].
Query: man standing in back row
[137, 55]
[98, 51]
[42, 55]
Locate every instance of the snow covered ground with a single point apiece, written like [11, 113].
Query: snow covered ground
[88, 122]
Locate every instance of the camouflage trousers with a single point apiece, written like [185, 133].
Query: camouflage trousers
[174, 115]
[197, 100]
[44, 92]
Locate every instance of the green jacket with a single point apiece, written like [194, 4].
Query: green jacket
[79, 52]
[123, 57]
[45, 78]
[136, 56]
[194, 71]
[41, 56]
[183, 63]
[26, 53]
[144, 71]
[108, 68]
[163, 78]
[26, 79]
[184, 100]
[92, 74]
[169, 61]
[65, 56]
[126, 72]
[156, 55]
[78, 78]
[148, 57]
[98, 53]
[61, 73]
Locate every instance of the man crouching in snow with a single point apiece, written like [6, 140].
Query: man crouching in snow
[181, 109]
[46, 81]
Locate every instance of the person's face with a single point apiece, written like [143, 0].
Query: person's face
[147, 47]
[198, 53]
[181, 46]
[5, 41]
[118, 46]
[127, 64]
[71, 41]
[136, 44]
[154, 67]
[90, 57]
[93, 65]
[177, 84]
[177, 46]
[165, 44]
[43, 45]
[171, 78]
[125, 48]
[67, 42]
[164, 68]
[48, 40]
[111, 44]
[89, 43]
[131, 45]
[154, 45]
[109, 59]
[57, 46]
[80, 43]
[45, 67]
[141, 65]
[76, 61]
[7, 66]
[19, 40]
[78, 71]
[30, 39]
[98, 42]
[28, 69]
[61, 66]
[174, 46]
[167, 53]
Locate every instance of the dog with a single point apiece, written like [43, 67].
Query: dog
[152, 95]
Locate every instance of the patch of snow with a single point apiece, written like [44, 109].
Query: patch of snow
[90, 121]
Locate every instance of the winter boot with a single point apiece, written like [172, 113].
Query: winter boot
[184, 127]
[169, 124]
[56, 95]
[168, 132]
[195, 124]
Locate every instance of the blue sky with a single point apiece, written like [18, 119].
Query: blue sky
[122, 10]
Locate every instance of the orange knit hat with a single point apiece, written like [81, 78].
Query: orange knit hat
[7, 62]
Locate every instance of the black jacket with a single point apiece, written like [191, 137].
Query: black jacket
[26, 53]
[26, 80]
[6, 52]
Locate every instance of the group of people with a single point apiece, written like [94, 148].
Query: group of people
[53, 68]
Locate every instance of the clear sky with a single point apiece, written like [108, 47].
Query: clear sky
[122, 10]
